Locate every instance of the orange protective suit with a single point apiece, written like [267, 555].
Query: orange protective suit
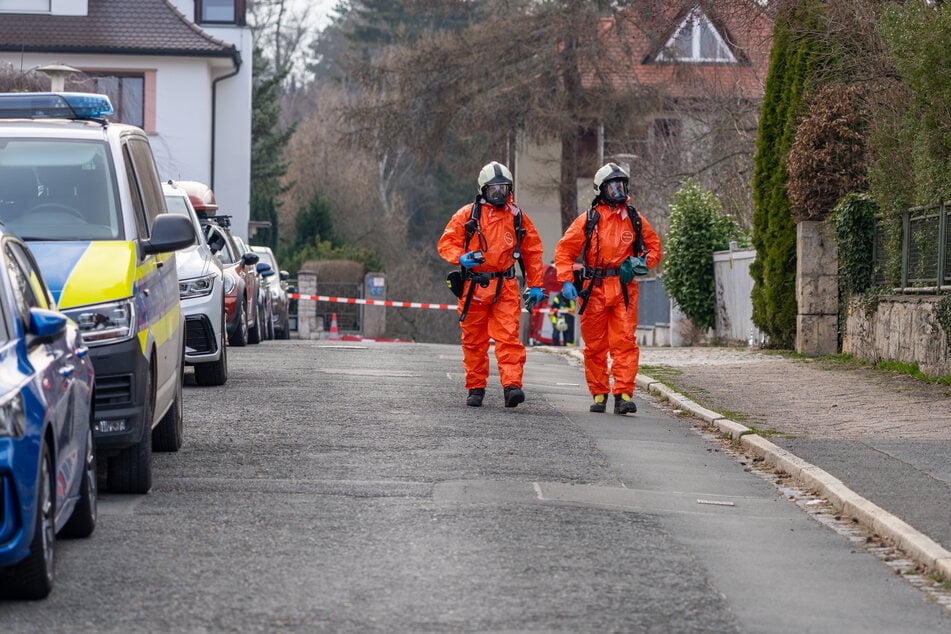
[487, 317]
[606, 325]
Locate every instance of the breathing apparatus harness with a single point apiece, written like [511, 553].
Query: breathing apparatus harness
[597, 273]
[480, 278]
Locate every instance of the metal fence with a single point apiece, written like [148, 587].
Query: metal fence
[925, 252]
[349, 316]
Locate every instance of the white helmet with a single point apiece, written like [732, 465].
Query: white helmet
[611, 183]
[561, 325]
[495, 183]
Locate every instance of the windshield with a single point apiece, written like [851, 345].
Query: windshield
[177, 205]
[58, 189]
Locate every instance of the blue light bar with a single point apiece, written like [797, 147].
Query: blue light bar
[54, 105]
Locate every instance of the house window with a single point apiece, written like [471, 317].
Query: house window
[696, 40]
[665, 142]
[126, 91]
[221, 12]
[25, 6]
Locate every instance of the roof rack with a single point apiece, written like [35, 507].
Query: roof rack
[222, 221]
[55, 105]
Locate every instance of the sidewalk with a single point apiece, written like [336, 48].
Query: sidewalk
[877, 445]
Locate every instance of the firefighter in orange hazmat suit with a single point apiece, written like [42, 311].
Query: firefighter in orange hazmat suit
[616, 244]
[486, 238]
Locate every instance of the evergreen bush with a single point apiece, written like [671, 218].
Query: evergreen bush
[697, 229]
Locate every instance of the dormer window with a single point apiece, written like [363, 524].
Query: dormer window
[221, 12]
[696, 40]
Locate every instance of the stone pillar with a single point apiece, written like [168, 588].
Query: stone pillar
[307, 326]
[374, 317]
[817, 289]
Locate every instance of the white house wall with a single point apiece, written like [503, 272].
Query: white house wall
[537, 171]
[232, 182]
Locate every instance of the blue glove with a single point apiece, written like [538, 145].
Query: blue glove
[569, 291]
[535, 295]
[471, 259]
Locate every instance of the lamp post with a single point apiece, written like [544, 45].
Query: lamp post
[57, 74]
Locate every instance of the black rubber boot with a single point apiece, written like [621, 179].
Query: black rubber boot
[624, 404]
[475, 397]
[600, 404]
[513, 396]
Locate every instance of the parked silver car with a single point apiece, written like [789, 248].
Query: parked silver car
[201, 289]
[277, 286]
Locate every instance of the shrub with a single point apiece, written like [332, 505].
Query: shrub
[697, 229]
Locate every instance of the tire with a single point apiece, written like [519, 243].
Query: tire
[285, 332]
[168, 434]
[35, 573]
[240, 338]
[130, 471]
[215, 373]
[254, 334]
[83, 520]
[270, 326]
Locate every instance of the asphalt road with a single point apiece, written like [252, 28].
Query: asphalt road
[346, 487]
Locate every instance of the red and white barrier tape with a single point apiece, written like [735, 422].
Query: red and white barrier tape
[380, 302]
[371, 302]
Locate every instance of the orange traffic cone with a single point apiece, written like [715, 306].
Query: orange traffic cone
[334, 333]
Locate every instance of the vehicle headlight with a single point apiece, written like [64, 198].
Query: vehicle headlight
[230, 283]
[105, 323]
[196, 287]
[12, 418]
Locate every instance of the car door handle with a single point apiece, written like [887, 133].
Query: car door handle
[67, 371]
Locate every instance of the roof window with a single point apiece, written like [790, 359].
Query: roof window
[696, 40]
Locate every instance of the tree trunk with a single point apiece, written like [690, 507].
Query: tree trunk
[568, 186]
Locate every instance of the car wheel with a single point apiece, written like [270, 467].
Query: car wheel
[240, 337]
[35, 573]
[215, 373]
[270, 325]
[83, 520]
[286, 330]
[254, 334]
[130, 471]
[167, 436]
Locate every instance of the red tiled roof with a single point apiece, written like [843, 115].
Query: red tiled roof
[140, 27]
[641, 33]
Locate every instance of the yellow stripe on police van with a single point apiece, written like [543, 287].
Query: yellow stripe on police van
[104, 273]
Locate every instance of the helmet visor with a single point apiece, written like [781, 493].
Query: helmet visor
[615, 191]
[497, 194]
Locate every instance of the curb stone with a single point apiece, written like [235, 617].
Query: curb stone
[921, 548]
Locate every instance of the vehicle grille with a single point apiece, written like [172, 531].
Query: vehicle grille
[199, 335]
[114, 390]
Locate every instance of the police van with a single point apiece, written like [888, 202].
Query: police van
[85, 195]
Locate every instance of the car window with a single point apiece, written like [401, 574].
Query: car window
[23, 291]
[43, 298]
[178, 205]
[219, 241]
[58, 189]
[138, 207]
[147, 176]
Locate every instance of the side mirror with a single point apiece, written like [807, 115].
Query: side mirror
[285, 276]
[169, 233]
[46, 323]
[264, 267]
[250, 258]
